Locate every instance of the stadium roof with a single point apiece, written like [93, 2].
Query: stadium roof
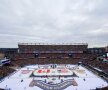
[52, 43]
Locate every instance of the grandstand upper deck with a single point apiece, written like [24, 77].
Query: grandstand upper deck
[32, 47]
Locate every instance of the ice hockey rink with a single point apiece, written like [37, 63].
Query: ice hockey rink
[52, 77]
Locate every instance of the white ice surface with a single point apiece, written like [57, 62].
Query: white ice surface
[14, 80]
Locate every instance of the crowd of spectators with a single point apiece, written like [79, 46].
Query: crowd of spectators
[5, 70]
[90, 59]
[28, 59]
[22, 60]
[30, 48]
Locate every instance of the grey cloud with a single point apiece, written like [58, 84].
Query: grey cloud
[64, 21]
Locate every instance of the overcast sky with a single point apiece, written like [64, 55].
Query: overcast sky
[53, 21]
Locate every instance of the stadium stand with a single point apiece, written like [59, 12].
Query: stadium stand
[31, 53]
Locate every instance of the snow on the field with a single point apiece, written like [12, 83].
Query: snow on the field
[85, 81]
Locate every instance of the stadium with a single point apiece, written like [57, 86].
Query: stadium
[53, 44]
[67, 66]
